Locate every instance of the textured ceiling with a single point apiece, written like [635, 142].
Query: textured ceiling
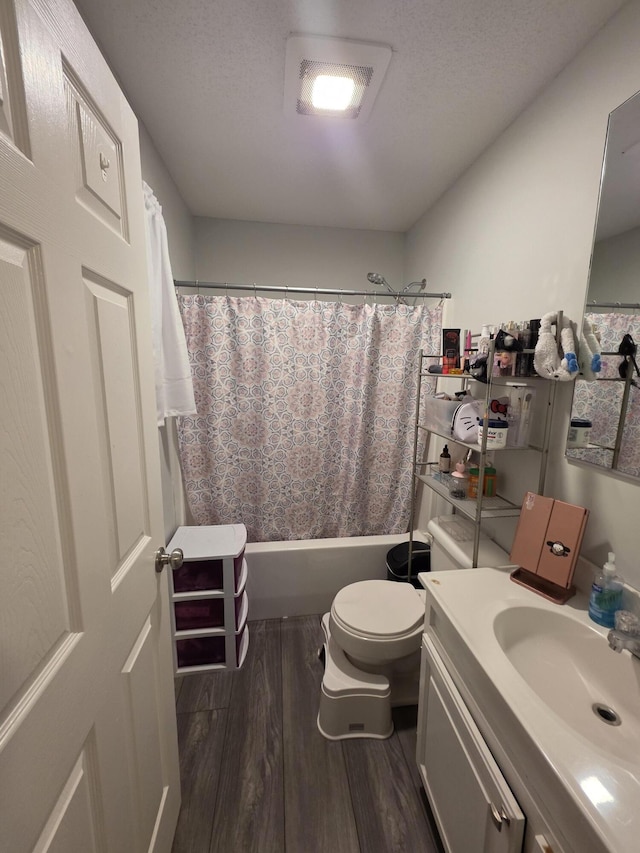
[206, 77]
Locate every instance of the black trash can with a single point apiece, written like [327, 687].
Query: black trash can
[398, 562]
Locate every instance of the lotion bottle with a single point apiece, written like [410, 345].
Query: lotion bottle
[483, 342]
[606, 594]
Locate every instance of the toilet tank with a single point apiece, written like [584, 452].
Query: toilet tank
[452, 545]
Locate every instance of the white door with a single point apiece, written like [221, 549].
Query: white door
[88, 752]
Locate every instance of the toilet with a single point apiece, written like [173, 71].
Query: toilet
[373, 638]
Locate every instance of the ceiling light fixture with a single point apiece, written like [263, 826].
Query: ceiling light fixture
[332, 93]
[333, 77]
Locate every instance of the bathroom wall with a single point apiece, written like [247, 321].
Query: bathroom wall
[179, 222]
[180, 237]
[296, 255]
[512, 240]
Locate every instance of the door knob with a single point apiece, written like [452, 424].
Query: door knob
[174, 559]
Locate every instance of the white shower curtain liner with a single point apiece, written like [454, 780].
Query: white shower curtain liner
[174, 386]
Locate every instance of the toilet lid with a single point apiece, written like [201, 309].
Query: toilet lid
[379, 609]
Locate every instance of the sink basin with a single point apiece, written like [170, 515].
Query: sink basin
[570, 666]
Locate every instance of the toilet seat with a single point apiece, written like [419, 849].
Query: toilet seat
[377, 621]
[378, 609]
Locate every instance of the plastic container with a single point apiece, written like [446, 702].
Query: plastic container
[490, 485]
[606, 594]
[519, 414]
[472, 487]
[398, 562]
[579, 432]
[438, 414]
[496, 433]
[459, 482]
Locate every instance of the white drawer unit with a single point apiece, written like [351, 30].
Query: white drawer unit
[474, 808]
[209, 604]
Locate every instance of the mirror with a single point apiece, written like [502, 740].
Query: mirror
[605, 414]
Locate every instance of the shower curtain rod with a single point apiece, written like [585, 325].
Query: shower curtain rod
[217, 285]
[595, 304]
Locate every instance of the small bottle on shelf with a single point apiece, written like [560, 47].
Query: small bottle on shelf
[472, 488]
[489, 487]
[444, 463]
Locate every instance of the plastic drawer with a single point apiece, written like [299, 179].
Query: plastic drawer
[204, 651]
[203, 613]
[196, 575]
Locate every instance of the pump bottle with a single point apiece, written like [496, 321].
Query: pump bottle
[606, 594]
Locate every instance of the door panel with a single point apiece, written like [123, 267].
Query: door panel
[97, 154]
[140, 685]
[88, 746]
[33, 605]
[73, 824]
[112, 332]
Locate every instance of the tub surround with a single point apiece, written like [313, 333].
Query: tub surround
[302, 577]
[528, 671]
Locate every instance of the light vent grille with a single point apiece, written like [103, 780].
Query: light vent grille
[328, 78]
[311, 69]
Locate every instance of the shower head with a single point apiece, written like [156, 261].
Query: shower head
[376, 278]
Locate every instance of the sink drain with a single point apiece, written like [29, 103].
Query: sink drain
[606, 714]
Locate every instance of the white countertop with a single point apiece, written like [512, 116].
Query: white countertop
[603, 782]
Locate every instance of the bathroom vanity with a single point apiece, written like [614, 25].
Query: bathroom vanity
[528, 723]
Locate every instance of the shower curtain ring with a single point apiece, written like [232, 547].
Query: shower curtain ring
[255, 291]
[286, 291]
[197, 288]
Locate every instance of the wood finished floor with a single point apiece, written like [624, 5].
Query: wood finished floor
[258, 776]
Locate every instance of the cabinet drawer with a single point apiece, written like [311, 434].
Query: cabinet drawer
[197, 575]
[205, 613]
[202, 652]
[474, 807]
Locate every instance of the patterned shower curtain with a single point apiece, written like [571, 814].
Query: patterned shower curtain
[600, 401]
[305, 410]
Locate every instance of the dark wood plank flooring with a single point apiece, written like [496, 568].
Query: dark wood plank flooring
[258, 777]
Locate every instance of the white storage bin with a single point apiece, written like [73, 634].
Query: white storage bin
[438, 414]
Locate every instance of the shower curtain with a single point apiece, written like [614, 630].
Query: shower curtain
[600, 401]
[304, 425]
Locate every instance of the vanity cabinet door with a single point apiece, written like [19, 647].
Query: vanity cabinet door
[474, 807]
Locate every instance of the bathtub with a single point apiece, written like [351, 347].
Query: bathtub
[302, 577]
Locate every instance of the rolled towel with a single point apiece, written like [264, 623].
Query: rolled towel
[589, 354]
[546, 359]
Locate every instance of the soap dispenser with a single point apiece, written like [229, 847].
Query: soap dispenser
[606, 594]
